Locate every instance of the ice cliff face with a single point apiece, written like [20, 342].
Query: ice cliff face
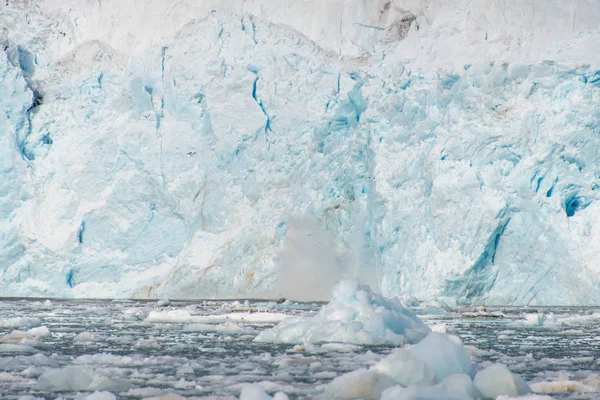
[434, 150]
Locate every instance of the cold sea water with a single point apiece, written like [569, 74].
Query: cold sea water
[72, 348]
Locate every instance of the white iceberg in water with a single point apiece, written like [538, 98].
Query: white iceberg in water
[354, 315]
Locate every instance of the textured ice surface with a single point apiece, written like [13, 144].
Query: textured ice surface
[354, 315]
[160, 149]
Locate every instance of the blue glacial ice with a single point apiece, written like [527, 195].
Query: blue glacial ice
[246, 148]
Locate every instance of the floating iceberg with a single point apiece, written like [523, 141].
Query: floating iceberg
[354, 315]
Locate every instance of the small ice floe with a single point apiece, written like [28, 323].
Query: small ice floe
[564, 383]
[87, 338]
[185, 317]
[354, 315]
[572, 332]
[30, 397]
[440, 327]
[550, 320]
[98, 395]
[163, 303]
[19, 322]
[16, 348]
[153, 393]
[8, 377]
[538, 320]
[35, 360]
[340, 347]
[150, 344]
[77, 378]
[229, 328]
[255, 392]
[27, 338]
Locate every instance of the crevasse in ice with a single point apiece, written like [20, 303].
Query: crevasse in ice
[159, 149]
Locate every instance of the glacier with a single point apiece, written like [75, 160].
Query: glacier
[436, 150]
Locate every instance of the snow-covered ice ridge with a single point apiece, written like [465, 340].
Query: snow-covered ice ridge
[163, 149]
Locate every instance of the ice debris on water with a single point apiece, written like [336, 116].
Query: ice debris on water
[431, 365]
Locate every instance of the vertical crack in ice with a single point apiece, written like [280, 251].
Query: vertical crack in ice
[252, 25]
[263, 109]
[70, 278]
[23, 60]
[480, 278]
[80, 232]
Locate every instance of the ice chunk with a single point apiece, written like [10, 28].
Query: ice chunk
[563, 386]
[88, 337]
[422, 393]
[101, 396]
[16, 348]
[404, 369]
[34, 360]
[354, 315]
[150, 343]
[436, 357]
[40, 331]
[497, 380]
[19, 322]
[460, 383]
[361, 383]
[255, 392]
[228, 327]
[443, 354]
[540, 319]
[75, 378]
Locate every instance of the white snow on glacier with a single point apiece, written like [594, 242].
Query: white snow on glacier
[433, 149]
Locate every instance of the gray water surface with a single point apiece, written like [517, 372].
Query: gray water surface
[152, 359]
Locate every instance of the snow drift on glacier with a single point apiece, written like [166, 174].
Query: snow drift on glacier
[157, 149]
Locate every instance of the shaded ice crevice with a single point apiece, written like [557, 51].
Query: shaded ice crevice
[260, 103]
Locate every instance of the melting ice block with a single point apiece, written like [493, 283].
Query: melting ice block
[354, 315]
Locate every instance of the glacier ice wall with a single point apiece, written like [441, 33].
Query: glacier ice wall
[433, 149]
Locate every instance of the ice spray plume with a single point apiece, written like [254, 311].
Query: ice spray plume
[308, 264]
